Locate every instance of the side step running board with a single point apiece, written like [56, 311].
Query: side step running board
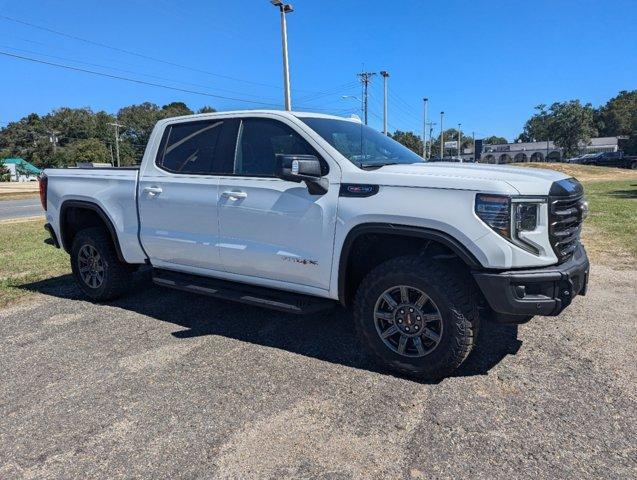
[239, 292]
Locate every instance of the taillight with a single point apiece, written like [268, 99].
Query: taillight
[43, 181]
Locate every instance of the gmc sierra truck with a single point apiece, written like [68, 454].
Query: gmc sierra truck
[300, 211]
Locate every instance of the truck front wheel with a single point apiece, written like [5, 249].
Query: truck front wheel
[96, 268]
[417, 316]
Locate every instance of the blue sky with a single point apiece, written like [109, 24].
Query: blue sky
[486, 64]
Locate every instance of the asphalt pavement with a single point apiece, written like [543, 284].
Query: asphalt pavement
[28, 207]
[165, 384]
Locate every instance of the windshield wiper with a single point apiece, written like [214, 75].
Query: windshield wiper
[377, 165]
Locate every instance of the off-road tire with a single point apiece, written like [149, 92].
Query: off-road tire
[117, 275]
[452, 289]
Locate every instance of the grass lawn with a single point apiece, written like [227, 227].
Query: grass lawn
[611, 229]
[610, 232]
[24, 258]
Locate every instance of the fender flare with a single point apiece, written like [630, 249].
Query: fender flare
[86, 205]
[402, 230]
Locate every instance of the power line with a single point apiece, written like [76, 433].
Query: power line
[141, 55]
[132, 80]
[130, 52]
[143, 82]
[124, 70]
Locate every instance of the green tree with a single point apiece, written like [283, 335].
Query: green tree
[69, 125]
[536, 128]
[494, 140]
[569, 124]
[206, 109]
[619, 115]
[138, 121]
[175, 109]
[450, 135]
[409, 140]
[90, 150]
[5, 175]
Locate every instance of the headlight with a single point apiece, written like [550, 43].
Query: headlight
[515, 218]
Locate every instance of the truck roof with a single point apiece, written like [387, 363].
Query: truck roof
[275, 112]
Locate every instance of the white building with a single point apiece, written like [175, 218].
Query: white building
[20, 170]
[542, 151]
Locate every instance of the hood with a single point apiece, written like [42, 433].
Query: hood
[464, 176]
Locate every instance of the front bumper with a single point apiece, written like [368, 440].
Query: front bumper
[540, 291]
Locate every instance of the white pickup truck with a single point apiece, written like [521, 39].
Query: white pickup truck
[299, 211]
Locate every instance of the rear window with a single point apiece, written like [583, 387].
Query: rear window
[191, 148]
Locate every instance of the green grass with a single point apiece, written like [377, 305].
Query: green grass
[613, 217]
[24, 258]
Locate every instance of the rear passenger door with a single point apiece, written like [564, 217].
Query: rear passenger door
[272, 228]
[178, 195]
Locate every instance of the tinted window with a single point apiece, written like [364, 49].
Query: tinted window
[260, 140]
[360, 144]
[192, 147]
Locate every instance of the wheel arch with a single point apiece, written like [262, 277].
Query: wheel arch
[404, 231]
[67, 232]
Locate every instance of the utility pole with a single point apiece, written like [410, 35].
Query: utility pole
[459, 140]
[424, 129]
[366, 78]
[53, 139]
[116, 125]
[473, 137]
[442, 137]
[385, 75]
[431, 136]
[285, 8]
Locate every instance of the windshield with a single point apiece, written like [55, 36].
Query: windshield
[360, 144]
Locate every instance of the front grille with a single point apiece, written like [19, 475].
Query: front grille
[565, 224]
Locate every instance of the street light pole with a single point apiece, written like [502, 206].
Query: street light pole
[442, 137]
[459, 140]
[116, 125]
[424, 129]
[385, 75]
[285, 8]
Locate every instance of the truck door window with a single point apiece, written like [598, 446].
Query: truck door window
[190, 148]
[260, 140]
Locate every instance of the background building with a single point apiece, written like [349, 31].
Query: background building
[542, 151]
[20, 170]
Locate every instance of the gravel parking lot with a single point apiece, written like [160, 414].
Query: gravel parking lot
[165, 384]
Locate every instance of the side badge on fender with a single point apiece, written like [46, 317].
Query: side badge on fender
[358, 190]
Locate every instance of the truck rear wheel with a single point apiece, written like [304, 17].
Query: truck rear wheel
[96, 268]
[417, 316]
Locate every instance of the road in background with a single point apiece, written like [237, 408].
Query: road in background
[28, 207]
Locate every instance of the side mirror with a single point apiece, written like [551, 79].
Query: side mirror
[298, 168]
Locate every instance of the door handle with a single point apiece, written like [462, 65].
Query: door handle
[236, 195]
[153, 191]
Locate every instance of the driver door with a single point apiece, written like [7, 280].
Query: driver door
[272, 228]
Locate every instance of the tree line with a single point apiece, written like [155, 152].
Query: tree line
[569, 124]
[66, 135]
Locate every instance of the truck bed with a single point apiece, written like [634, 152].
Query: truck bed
[112, 190]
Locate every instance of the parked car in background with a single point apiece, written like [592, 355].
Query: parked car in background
[580, 158]
[611, 159]
[299, 211]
